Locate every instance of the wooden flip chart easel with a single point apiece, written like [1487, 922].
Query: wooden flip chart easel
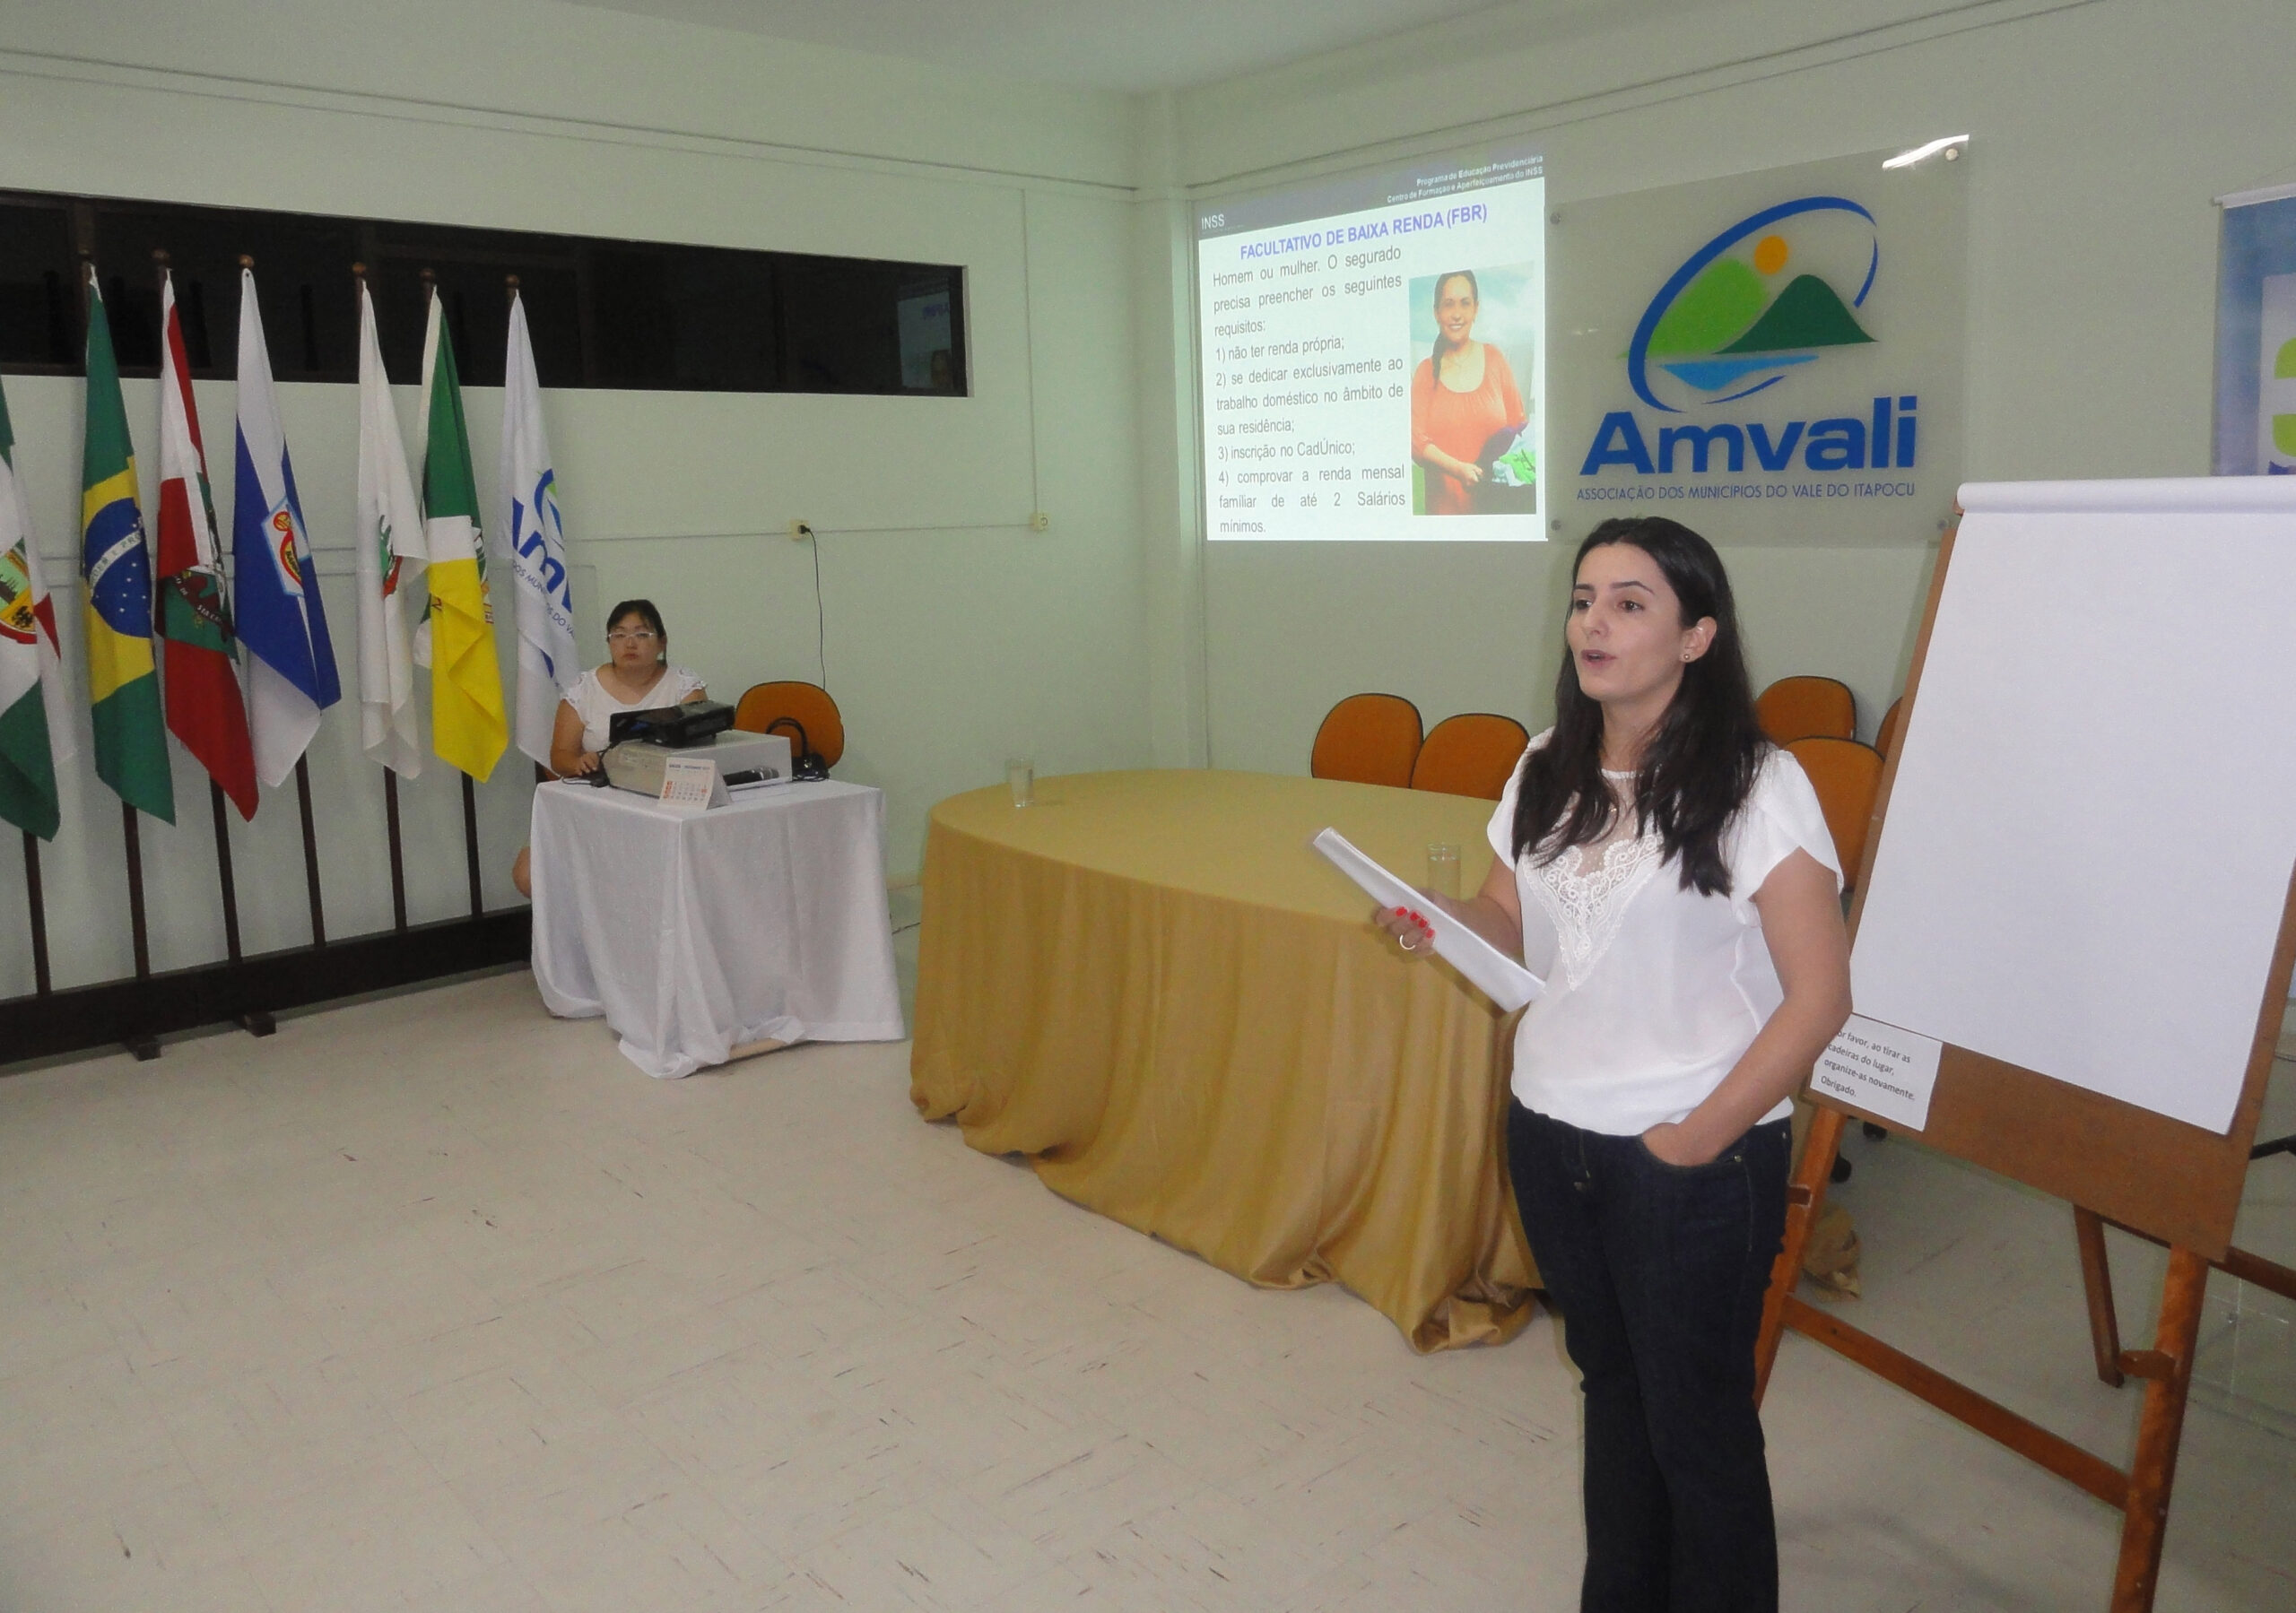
[2159, 1177]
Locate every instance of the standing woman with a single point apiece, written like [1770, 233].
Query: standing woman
[1462, 395]
[1669, 872]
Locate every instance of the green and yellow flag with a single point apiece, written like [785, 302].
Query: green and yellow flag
[469, 727]
[123, 685]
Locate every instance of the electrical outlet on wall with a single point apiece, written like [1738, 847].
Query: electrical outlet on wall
[800, 532]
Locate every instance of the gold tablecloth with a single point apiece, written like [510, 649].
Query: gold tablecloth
[1150, 984]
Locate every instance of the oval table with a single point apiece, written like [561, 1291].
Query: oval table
[1151, 986]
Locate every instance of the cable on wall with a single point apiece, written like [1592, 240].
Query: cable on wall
[820, 618]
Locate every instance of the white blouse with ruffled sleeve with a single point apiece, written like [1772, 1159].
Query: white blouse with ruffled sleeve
[1653, 991]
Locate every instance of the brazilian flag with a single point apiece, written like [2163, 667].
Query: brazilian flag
[123, 684]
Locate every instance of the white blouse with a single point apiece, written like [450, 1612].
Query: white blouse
[1653, 992]
[595, 703]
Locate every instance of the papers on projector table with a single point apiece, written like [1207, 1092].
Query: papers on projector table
[1499, 978]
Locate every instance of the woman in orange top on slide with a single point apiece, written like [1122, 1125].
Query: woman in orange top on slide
[1462, 396]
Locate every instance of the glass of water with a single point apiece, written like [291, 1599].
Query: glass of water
[1443, 868]
[1021, 776]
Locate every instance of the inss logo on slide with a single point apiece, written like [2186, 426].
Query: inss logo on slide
[1766, 296]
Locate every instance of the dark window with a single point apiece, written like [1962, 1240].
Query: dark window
[636, 315]
[39, 313]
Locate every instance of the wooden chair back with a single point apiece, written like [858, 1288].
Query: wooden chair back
[1885, 738]
[1795, 708]
[809, 705]
[1367, 739]
[1472, 753]
[1848, 777]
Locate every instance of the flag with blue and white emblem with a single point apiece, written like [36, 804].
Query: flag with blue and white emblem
[530, 528]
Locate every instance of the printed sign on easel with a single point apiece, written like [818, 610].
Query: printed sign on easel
[1881, 1070]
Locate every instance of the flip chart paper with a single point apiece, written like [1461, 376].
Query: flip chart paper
[2088, 844]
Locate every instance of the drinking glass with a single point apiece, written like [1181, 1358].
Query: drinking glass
[1021, 776]
[1443, 868]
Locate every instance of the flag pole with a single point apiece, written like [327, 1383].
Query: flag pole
[390, 776]
[311, 849]
[224, 873]
[398, 867]
[142, 1046]
[38, 906]
[216, 791]
[135, 892]
[303, 798]
[470, 845]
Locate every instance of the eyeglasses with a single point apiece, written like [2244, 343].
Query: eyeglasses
[630, 636]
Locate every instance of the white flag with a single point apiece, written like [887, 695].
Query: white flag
[528, 525]
[391, 557]
[35, 719]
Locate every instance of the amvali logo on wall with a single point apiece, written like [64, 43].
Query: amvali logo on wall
[1772, 358]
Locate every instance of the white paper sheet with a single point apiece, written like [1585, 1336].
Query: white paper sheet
[1499, 978]
[1883, 1070]
[2088, 841]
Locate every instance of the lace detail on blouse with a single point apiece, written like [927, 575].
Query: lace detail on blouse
[1586, 892]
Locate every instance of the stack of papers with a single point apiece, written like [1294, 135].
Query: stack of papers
[1502, 979]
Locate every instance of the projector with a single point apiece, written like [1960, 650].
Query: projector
[741, 759]
[691, 724]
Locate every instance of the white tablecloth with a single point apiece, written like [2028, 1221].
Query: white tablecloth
[696, 933]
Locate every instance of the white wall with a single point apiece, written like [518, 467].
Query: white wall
[956, 635]
[2100, 132]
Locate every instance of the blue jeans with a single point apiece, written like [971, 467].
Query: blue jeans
[1659, 1270]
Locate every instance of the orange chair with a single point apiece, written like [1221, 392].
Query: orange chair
[1885, 739]
[1367, 739]
[1795, 708]
[1848, 777]
[1473, 753]
[803, 711]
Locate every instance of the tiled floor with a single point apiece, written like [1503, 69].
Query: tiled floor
[433, 1302]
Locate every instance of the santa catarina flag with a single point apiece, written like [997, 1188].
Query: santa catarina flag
[290, 665]
[33, 719]
[206, 709]
[530, 528]
[468, 726]
[122, 683]
[390, 556]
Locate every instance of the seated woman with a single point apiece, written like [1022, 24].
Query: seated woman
[638, 678]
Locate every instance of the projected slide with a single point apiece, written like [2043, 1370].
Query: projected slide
[1373, 356]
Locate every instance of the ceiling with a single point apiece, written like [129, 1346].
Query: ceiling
[1120, 45]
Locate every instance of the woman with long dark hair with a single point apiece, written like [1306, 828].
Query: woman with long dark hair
[1668, 870]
